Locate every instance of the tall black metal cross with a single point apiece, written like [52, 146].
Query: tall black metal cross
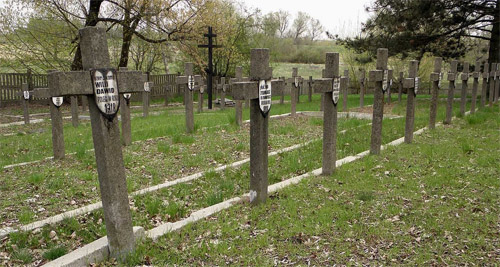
[210, 35]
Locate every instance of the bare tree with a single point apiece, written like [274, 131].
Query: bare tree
[300, 24]
[283, 21]
[315, 29]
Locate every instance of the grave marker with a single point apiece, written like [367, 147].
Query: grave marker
[492, 81]
[465, 80]
[400, 86]
[436, 81]
[344, 88]
[258, 90]
[125, 115]
[451, 91]
[475, 84]
[309, 92]
[104, 103]
[294, 84]
[381, 78]
[190, 82]
[222, 87]
[26, 98]
[201, 91]
[239, 103]
[74, 111]
[484, 88]
[145, 97]
[497, 83]
[411, 84]
[362, 87]
[329, 87]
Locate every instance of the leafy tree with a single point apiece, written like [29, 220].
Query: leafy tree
[315, 29]
[441, 27]
[300, 24]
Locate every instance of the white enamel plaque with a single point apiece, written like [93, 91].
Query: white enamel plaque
[417, 80]
[265, 96]
[106, 91]
[127, 96]
[440, 78]
[336, 91]
[26, 95]
[146, 87]
[385, 81]
[191, 82]
[202, 89]
[57, 101]
[296, 82]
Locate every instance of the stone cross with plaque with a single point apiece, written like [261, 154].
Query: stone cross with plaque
[451, 91]
[294, 83]
[465, 80]
[201, 91]
[436, 77]
[146, 96]
[222, 87]
[491, 82]
[190, 83]
[102, 86]
[381, 76]
[400, 86]
[362, 87]
[239, 103]
[258, 90]
[329, 87]
[26, 95]
[496, 82]
[475, 85]
[411, 84]
[484, 88]
[344, 88]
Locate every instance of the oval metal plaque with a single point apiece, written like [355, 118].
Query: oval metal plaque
[296, 82]
[26, 95]
[265, 96]
[146, 87]
[106, 91]
[57, 101]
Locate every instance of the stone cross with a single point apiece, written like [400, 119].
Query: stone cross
[294, 85]
[239, 103]
[222, 87]
[493, 68]
[436, 77]
[465, 79]
[475, 85]
[309, 92]
[56, 120]
[102, 86]
[125, 115]
[74, 111]
[400, 86]
[146, 97]
[201, 91]
[344, 88]
[329, 87]
[26, 95]
[381, 78]
[190, 83]
[484, 88]
[451, 92]
[496, 79]
[411, 84]
[259, 91]
[362, 87]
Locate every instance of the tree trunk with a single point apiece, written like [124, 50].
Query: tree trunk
[127, 40]
[91, 20]
[494, 53]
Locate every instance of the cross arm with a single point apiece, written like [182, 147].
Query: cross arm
[435, 76]
[376, 75]
[250, 90]
[323, 85]
[41, 93]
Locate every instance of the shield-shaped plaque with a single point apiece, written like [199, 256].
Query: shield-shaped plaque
[191, 82]
[296, 82]
[265, 97]
[26, 95]
[202, 89]
[106, 91]
[385, 81]
[57, 101]
[127, 96]
[336, 91]
[147, 89]
[415, 89]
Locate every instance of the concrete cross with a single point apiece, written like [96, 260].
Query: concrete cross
[362, 87]
[451, 91]
[239, 103]
[344, 88]
[26, 95]
[493, 68]
[146, 96]
[190, 83]
[381, 78]
[497, 84]
[329, 87]
[259, 91]
[101, 85]
[436, 77]
[465, 80]
[411, 84]
[294, 83]
[400, 86]
[486, 78]
[222, 87]
[201, 91]
[309, 92]
[475, 85]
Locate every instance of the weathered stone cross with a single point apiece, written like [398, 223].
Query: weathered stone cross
[436, 77]
[201, 91]
[486, 78]
[362, 87]
[310, 90]
[294, 83]
[475, 84]
[191, 83]
[258, 90]
[26, 95]
[102, 86]
[344, 88]
[465, 86]
[411, 84]
[222, 87]
[451, 91]
[492, 83]
[495, 81]
[329, 87]
[381, 76]
[239, 103]
[400, 86]
[146, 96]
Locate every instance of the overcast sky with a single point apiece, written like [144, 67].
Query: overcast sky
[343, 17]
